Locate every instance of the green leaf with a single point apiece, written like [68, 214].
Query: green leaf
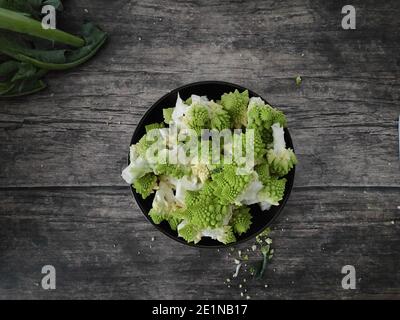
[17, 22]
[20, 79]
[31, 8]
[56, 59]
[22, 88]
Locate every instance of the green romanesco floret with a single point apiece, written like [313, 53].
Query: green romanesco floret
[273, 191]
[165, 206]
[257, 143]
[170, 217]
[173, 170]
[145, 184]
[189, 232]
[262, 170]
[192, 233]
[203, 212]
[167, 113]
[261, 116]
[219, 117]
[197, 118]
[236, 105]
[188, 101]
[152, 126]
[241, 220]
[223, 234]
[280, 159]
[142, 146]
[228, 184]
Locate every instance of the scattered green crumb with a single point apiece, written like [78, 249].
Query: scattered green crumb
[298, 80]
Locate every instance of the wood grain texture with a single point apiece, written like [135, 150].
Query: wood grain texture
[62, 200]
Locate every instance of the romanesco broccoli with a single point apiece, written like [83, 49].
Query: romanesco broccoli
[280, 159]
[236, 105]
[145, 184]
[241, 220]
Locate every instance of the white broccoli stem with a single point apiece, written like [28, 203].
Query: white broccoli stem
[200, 99]
[179, 112]
[182, 224]
[249, 195]
[136, 169]
[255, 101]
[279, 138]
[265, 205]
[127, 175]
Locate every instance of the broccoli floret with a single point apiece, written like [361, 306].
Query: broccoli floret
[262, 170]
[188, 101]
[236, 105]
[142, 146]
[145, 185]
[152, 126]
[280, 159]
[261, 116]
[273, 191]
[227, 184]
[158, 217]
[183, 185]
[189, 232]
[241, 220]
[173, 170]
[223, 234]
[197, 118]
[165, 206]
[206, 214]
[219, 117]
[167, 113]
[258, 144]
[249, 195]
[135, 170]
[193, 234]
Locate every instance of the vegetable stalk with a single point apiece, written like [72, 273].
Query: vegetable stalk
[17, 22]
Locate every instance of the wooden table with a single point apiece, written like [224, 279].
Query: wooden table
[63, 202]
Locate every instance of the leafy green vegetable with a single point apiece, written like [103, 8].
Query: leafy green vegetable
[18, 22]
[31, 49]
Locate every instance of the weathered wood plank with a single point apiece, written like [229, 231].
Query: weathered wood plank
[84, 140]
[93, 236]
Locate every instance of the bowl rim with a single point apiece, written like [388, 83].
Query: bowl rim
[138, 200]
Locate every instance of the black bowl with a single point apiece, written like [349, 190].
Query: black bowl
[213, 90]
